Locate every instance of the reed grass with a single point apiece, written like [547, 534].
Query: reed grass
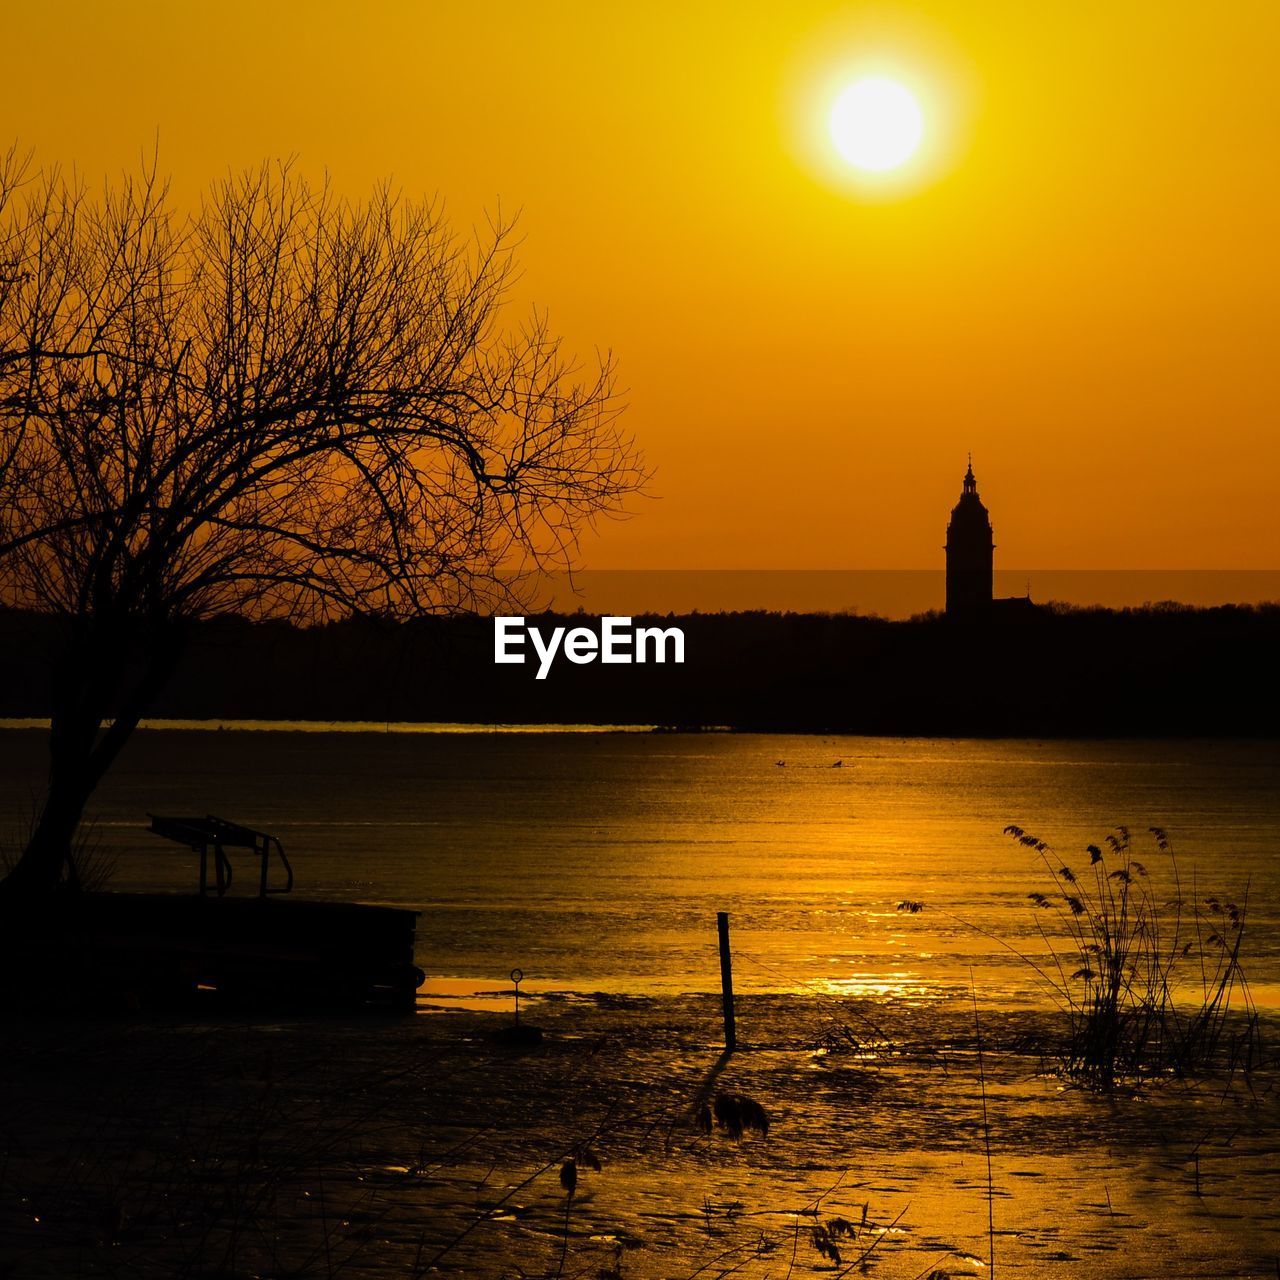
[1147, 972]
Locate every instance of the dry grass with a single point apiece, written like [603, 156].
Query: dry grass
[1147, 971]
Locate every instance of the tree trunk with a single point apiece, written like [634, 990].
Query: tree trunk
[48, 852]
[81, 750]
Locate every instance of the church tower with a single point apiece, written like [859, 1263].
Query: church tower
[969, 554]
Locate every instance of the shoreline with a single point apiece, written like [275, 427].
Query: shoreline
[432, 728]
[408, 727]
[440, 1150]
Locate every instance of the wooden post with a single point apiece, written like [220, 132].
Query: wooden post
[726, 982]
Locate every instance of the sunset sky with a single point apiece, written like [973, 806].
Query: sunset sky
[1076, 278]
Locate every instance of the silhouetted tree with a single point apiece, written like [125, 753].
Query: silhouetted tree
[285, 405]
[15, 253]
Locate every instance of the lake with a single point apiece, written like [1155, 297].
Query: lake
[596, 861]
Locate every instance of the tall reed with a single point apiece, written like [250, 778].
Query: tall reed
[1151, 983]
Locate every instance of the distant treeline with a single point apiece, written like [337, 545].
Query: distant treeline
[1157, 670]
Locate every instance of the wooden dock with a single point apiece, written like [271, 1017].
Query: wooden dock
[212, 949]
[170, 950]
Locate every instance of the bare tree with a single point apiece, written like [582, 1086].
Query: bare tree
[286, 405]
[33, 244]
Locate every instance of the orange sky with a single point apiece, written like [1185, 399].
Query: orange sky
[1083, 290]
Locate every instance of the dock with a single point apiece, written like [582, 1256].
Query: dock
[266, 950]
[169, 951]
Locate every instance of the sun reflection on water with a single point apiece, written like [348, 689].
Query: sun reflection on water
[892, 985]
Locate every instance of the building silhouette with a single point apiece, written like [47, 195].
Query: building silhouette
[970, 560]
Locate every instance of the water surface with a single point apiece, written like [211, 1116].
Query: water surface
[597, 861]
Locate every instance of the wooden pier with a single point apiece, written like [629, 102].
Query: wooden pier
[213, 949]
[174, 950]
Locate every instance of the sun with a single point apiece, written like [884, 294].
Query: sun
[876, 124]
